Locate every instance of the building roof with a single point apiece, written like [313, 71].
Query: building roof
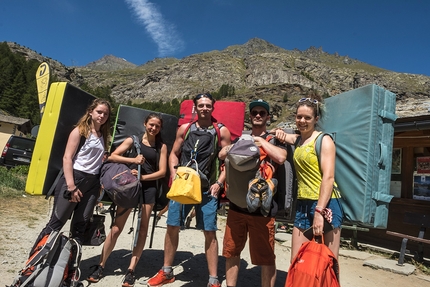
[13, 120]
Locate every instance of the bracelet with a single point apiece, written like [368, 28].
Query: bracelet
[221, 185]
[319, 210]
[76, 188]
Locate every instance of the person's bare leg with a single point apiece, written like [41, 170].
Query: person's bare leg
[113, 235]
[232, 267]
[211, 248]
[297, 240]
[171, 241]
[268, 275]
[332, 240]
[141, 239]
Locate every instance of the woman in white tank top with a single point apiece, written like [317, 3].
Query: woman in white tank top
[78, 188]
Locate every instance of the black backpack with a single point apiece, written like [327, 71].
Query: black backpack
[54, 261]
[202, 145]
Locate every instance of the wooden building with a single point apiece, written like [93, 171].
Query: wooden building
[411, 160]
[12, 126]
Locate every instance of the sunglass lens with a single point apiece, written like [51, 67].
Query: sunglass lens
[261, 113]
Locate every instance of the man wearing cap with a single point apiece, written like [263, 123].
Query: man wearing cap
[258, 225]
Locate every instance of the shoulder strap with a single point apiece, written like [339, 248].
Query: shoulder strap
[136, 143]
[187, 129]
[318, 143]
[217, 127]
[60, 173]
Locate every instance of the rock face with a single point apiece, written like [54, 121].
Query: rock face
[256, 69]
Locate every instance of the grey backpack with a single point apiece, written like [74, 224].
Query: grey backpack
[241, 165]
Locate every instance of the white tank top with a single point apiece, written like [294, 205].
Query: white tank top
[89, 158]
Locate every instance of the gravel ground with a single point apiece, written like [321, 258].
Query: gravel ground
[23, 218]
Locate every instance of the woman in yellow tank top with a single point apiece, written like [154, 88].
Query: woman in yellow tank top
[316, 196]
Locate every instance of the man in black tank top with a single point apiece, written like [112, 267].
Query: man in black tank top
[206, 211]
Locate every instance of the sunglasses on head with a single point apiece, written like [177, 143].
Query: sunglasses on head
[205, 95]
[312, 101]
[261, 113]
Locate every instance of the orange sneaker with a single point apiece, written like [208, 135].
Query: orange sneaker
[214, 285]
[160, 279]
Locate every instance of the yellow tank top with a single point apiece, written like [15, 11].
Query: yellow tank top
[308, 172]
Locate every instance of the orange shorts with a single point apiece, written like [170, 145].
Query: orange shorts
[261, 232]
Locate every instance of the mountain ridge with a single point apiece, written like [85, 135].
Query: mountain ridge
[256, 69]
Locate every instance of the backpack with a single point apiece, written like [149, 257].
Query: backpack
[247, 167]
[54, 261]
[123, 188]
[313, 266]
[287, 185]
[202, 145]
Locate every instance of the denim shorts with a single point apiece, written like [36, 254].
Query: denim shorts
[305, 210]
[206, 213]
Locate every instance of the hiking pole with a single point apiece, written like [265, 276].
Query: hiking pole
[153, 225]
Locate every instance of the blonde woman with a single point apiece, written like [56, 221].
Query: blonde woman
[78, 189]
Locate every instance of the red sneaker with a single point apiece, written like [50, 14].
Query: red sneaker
[160, 279]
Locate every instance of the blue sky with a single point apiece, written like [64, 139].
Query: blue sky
[391, 34]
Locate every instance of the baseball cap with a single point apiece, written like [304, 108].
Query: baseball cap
[259, 103]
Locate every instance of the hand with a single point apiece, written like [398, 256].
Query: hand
[76, 196]
[214, 190]
[134, 172]
[318, 224]
[280, 135]
[257, 140]
[139, 159]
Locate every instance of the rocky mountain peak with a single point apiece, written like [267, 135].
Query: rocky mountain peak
[256, 69]
[109, 63]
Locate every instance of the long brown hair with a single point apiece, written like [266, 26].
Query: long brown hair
[84, 123]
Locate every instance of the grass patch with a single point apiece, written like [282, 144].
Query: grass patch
[13, 181]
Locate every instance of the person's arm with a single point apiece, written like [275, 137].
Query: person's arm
[225, 143]
[117, 154]
[69, 153]
[327, 162]
[284, 137]
[162, 166]
[224, 151]
[219, 184]
[277, 154]
[176, 151]
[225, 136]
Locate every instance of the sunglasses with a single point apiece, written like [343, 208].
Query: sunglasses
[312, 101]
[261, 113]
[205, 95]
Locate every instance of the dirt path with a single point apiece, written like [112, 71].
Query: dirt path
[23, 218]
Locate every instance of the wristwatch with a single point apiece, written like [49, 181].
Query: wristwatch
[221, 185]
